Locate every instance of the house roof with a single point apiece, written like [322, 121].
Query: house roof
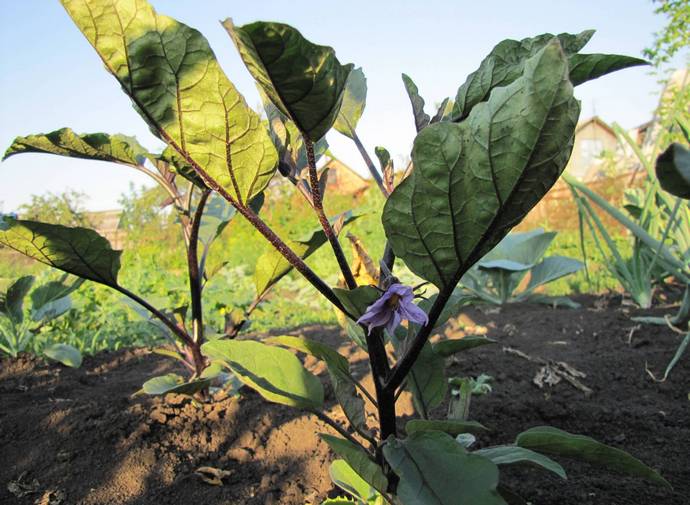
[596, 120]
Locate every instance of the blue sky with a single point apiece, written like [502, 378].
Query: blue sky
[51, 77]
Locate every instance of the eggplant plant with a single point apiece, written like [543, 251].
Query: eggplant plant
[497, 277]
[18, 325]
[478, 167]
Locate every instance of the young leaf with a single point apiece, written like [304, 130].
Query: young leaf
[421, 118]
[12, 302]
[548, 440]
[475, 180]
[358, 460]
[354, 100]
[90, 146]
[275, 373]
[338, 370]
[510, 454]
[452, 427]
[272, 266]
[172, 383]
[452, 346]
[427, 463]
[177, 86]
[78, 251]
[305, 81]
[673, 170]
[64, 353]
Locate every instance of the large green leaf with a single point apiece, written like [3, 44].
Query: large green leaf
[272, 265]
[275, 373]
[304, 80]
[12, 301]
[421, 118]
[510, 454]
[78, 251]
[338, 370]
[359, 461]
[673, 170]
[90, 146]
[178, 87]
[475, 180]
[452, 427]
[436, 470]
[548, 440]
[585, 67]
[354, 100]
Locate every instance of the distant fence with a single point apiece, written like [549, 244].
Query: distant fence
[557, 211]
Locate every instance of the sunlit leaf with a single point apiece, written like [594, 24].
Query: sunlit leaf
[178, 87]
[358, 460]
[434, 469]
[338, 370]
[89, 146]
[475, 180]
[349, 481]
[275, 373]
[553, 441]
[304, 80]
[78, 251]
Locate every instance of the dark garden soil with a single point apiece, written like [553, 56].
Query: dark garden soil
[77, 437]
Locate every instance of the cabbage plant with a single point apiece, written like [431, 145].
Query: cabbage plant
[478, 166]
[497, 277]
[19, 322]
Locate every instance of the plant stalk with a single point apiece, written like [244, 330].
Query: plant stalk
[195, 288]
[325, 223]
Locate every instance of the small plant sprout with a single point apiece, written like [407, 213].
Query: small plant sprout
[479, 164]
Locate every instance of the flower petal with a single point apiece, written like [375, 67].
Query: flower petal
[393, 323]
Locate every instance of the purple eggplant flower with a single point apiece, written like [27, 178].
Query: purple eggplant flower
[394, 305]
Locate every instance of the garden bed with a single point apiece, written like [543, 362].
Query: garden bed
[77, 437]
